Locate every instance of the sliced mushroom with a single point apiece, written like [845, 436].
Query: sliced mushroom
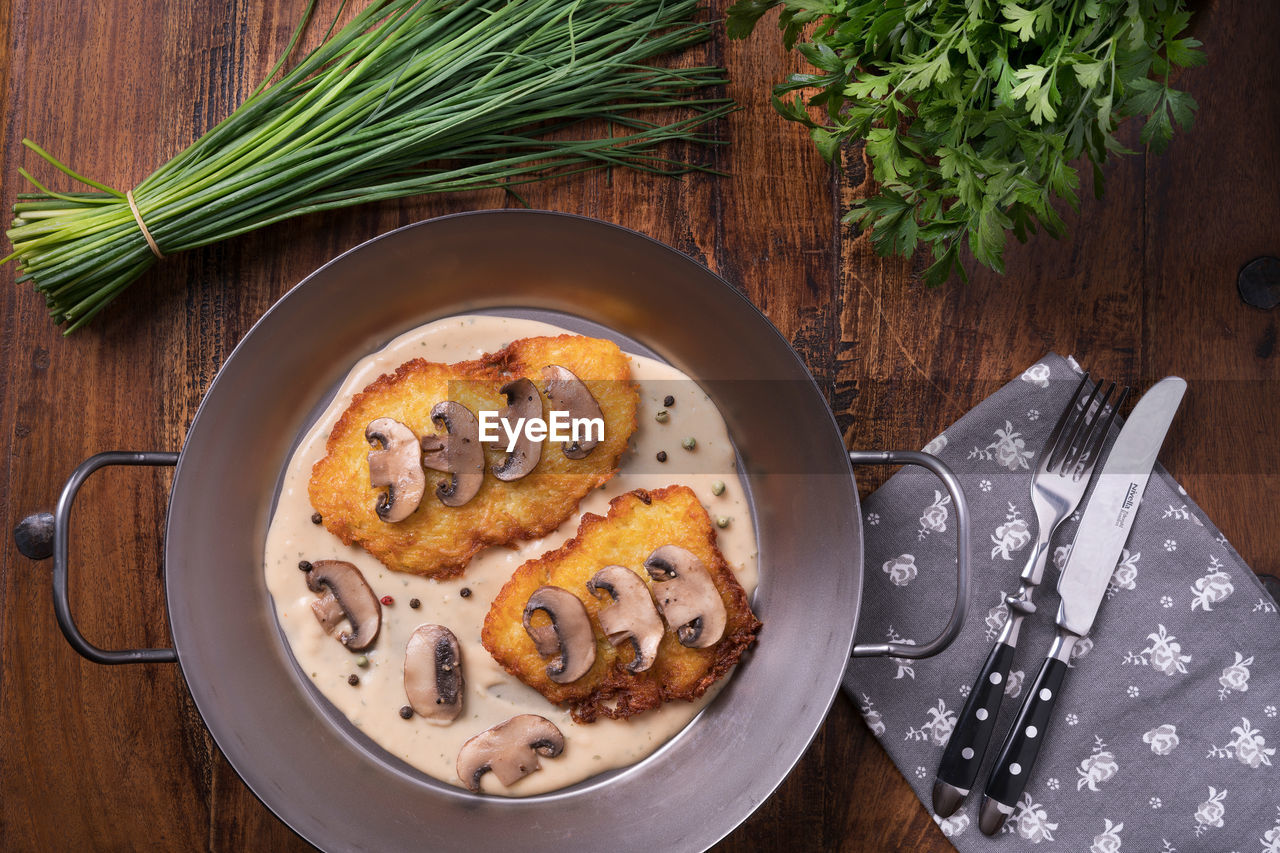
[569, 636]
[687, 597]
[523, 404]
[567, 393]
[346, 598]
[433, 673]
[398, 466]
[457, 452]
[509, 749]
[632, 615]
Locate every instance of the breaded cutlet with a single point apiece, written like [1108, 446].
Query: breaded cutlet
[638, 523]
[438, 540]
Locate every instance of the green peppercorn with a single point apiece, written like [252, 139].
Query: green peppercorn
[662, 417]
[717, 488]
[722, 521]
[362, 661]
[689, 443]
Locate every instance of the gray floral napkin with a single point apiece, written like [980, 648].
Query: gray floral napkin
[1164, 736]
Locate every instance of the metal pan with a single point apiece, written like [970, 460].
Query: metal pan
[318, 773]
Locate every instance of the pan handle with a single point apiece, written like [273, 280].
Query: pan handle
[961, 608]
[33, 538]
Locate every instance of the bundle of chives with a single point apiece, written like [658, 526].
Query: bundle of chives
[410, 97]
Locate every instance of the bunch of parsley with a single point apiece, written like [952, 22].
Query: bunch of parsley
[973, 110]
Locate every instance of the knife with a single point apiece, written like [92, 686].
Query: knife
[1104, 529]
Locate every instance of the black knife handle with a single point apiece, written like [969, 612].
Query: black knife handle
[1018, 756]
[977, 720]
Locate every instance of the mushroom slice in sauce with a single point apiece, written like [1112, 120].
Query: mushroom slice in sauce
[509, 749]
[567, 393]
[523, 403]
[396, 465]
[346, 596]
[457, 452]
[687, 597]
[433, 679]
[632, 615]
[569, 636]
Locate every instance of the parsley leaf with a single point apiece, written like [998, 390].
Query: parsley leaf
[972, 111]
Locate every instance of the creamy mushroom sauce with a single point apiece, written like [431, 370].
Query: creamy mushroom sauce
[492, 695]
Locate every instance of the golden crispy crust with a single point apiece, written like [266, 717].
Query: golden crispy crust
[437, 540]
[638, 522]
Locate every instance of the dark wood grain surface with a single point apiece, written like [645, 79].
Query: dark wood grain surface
[117, 758]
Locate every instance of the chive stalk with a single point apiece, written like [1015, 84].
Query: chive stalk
[410, 97]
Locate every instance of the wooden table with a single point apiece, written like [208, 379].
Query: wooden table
[117, 758]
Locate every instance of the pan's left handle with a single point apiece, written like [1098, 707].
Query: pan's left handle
[961, 608]
[43, 534]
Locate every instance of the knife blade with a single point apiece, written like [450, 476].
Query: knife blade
[1100, 539]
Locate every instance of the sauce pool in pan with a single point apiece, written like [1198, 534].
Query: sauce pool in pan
[372, 700]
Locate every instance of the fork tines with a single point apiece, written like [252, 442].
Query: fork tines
[1086, 424]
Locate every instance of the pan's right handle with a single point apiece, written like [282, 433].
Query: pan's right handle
[961, 608]
[33, 537]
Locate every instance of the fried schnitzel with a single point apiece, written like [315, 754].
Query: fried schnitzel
[438, 540]
[639, 524]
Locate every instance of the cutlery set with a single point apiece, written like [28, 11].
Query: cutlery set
[1067, 465]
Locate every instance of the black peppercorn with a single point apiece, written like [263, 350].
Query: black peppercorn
[305, 565]
[316, 518]
[415, 603]
[662, 456]
[668, 401]
[406, 712]
[465, 592]
[353, 679]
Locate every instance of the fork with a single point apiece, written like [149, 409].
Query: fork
[1059, 482]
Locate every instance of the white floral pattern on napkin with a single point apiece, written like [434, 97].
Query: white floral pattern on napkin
[1167, 721]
